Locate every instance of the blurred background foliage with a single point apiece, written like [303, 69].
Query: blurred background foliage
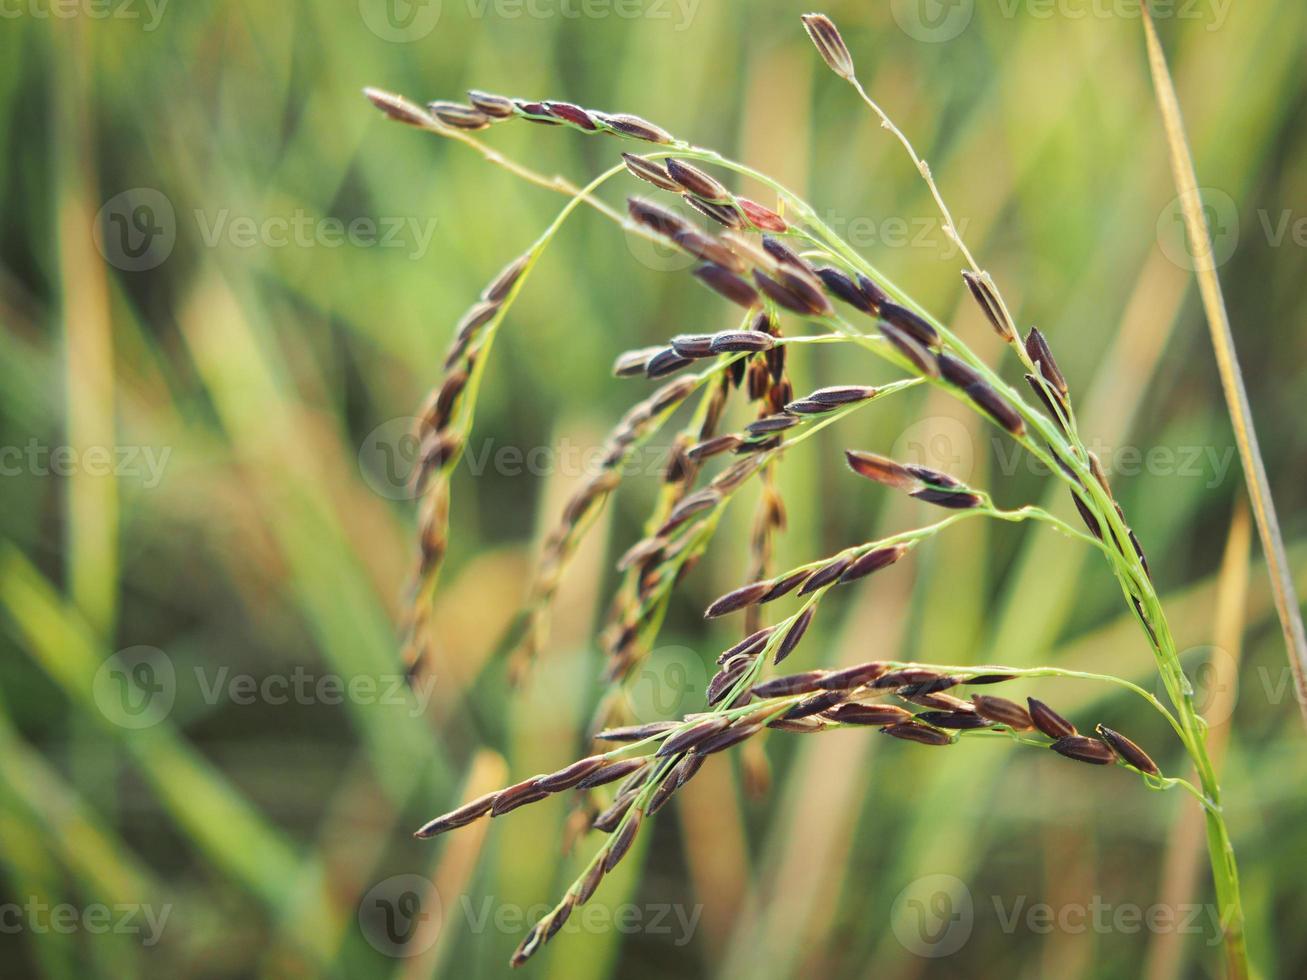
[271, 375]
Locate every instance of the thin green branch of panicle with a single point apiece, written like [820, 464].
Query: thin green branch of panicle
[770, 278]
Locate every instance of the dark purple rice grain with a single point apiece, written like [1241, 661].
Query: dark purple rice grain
[957, 720]
[940, 682]
[1038, 350]
[913, 352]
[842, 394]
[751, 644]
[662, 794]
[665, 362]
[1129, 751]
[712, 447]
[794, 634]
[1049, 721]
[855, 676]
[845, 288]
[727, 284]
[734, 341]
[635, 127]
[651, 171]
[655, 218]
[745, 595]
[952, 499]
[913, 731]
[997, 407]
[801, 726]
[698, 183]
[1041, 392]
[1084, 749]
[692, 735]
[806, 406]
[829, 44]
[780, 295]
[463, 815]
[709, 249]
[519, 794]
[693, 344]
[785, 585]
[958, 372]
[723, 214]
[914, 676]
[876, 296]
[503, 283]
[725, 679]
[612, 772]
[620, 844]
[910, 323]
[475, 318]
[725, 739]
[868, 714]
[1002, 711]
[589, 883]
[772, 423]
[686, 769]
[634, 733]
[458, 115]
[573, 114]
[633, 362]
[802, 683]
[988, 303]
[535, 112]
[880, 469]
[496, 106]
[609, 820]
[814, 705]
[569, 776]
[872, 561]
[827, 574]
[785, 255]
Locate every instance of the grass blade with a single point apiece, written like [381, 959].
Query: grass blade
[1227, 363]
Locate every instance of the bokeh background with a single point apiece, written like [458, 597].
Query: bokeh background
[226, 284]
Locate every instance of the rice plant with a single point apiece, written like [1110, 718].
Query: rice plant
[794, 283]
